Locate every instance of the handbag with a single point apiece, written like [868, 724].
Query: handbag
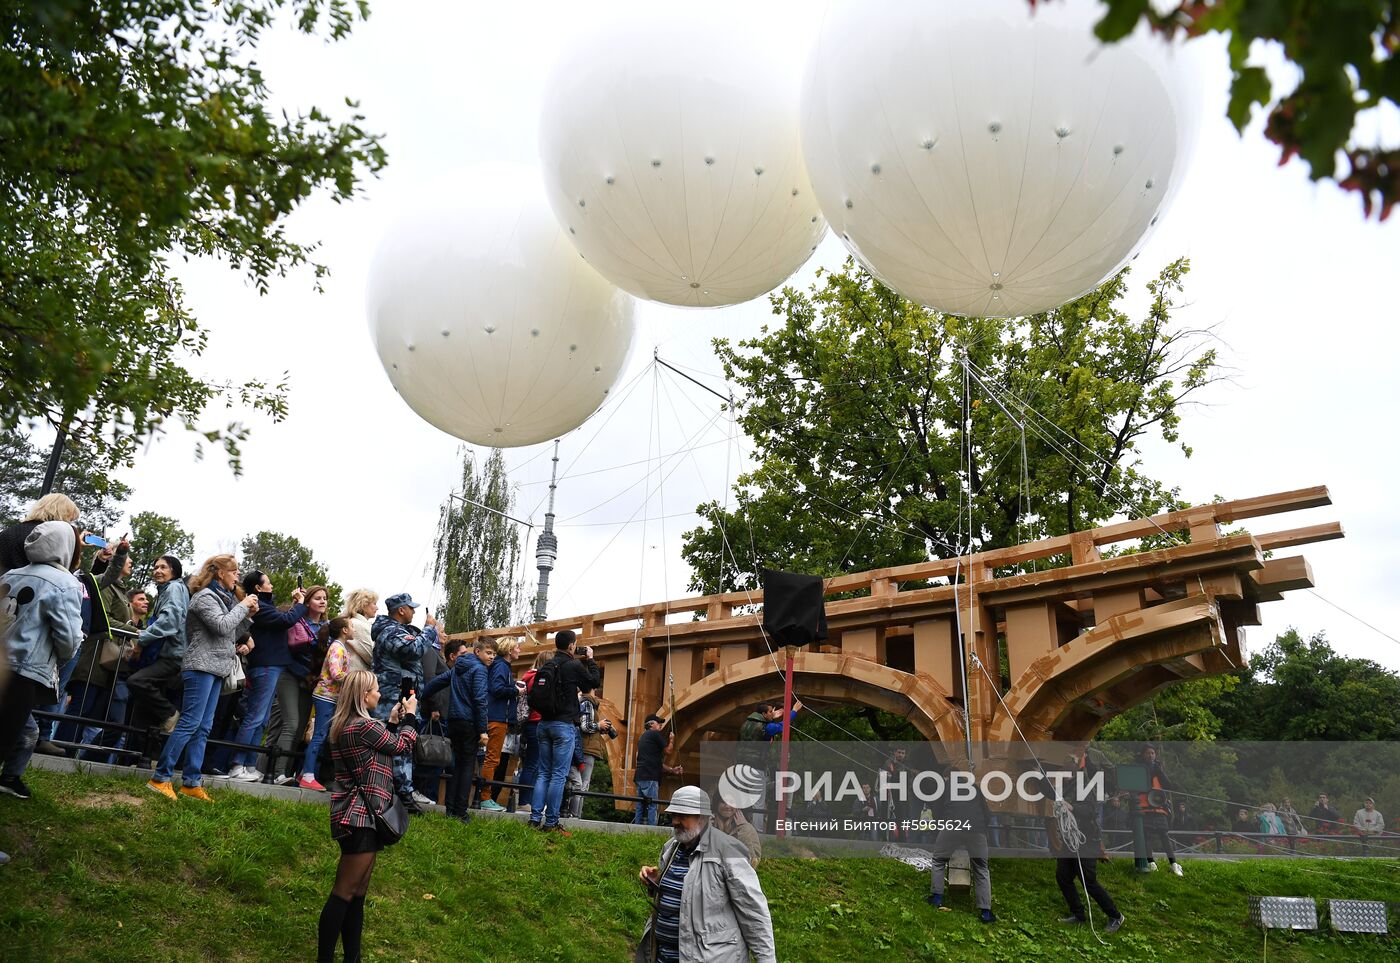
[390, 823]
[234, 680]
[111, 653]
[433, 751]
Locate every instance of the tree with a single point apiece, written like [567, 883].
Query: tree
[855, 406]
[155, 535]
[1344, 54]
[476, 554]
[98, 495]
[136, 133]
[1186, 711]
[282, 558]
[1303, 689]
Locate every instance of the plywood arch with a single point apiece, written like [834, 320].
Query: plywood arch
[727, 696]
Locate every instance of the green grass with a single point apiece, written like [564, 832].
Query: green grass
[104, 870]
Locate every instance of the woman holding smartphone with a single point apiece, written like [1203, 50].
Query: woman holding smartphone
[363, 749]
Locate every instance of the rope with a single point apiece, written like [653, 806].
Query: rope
[1070, 833]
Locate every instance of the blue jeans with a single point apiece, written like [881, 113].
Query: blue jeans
[115, 711]
[89, 701]
[321, 726]
[529, 761]
[556, 753]
[24, 749]
[65, 673]
[646, 812]
[262, 686]
[197, 705]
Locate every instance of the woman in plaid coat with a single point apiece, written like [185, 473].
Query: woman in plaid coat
[362, 748]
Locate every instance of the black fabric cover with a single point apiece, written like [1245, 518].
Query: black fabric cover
[794, 607]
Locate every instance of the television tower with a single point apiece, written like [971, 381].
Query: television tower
[547, 545]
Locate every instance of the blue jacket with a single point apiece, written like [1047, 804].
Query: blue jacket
[165, 626]
[44, 601]
[468, 680]
[270, 632]
[398, 655]
[501, 692]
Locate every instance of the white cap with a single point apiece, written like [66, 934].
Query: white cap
[689, 801]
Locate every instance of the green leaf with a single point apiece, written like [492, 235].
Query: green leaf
[1249, 87]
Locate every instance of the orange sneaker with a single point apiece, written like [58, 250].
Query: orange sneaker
[164, 788]
[195, 792]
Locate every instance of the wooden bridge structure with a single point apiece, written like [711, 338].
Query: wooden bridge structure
[1085, 636]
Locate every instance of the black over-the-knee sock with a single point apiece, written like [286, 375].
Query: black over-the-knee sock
[332, 922]
[354, 925]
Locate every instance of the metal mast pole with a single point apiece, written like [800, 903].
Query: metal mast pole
[547, 545]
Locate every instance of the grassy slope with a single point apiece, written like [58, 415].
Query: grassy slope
[103, 870]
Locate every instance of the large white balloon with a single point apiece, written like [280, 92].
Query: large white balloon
[984, 159]
[670, 153]
[487, 321]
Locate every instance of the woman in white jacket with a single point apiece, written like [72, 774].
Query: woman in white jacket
[360, 608]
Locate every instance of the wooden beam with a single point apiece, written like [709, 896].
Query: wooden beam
[1325, 532]
[1281, 575]
[935, 653]
[1223, 512]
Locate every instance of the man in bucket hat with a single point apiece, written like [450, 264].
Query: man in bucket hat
[707, 905]
[398, 664]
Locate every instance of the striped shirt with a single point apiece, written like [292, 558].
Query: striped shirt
[668, 913]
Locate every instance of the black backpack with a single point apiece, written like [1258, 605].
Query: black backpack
[547, 694]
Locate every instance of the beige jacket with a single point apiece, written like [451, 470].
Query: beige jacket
[745, 834]
[360, 648]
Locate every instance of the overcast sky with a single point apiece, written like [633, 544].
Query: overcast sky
[1303, 289]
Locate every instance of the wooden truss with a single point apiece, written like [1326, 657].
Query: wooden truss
[1084, 636]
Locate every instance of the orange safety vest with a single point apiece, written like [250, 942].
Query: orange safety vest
[1143, 804]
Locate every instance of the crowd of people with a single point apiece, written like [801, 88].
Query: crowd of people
[215, 652]
[154, 676]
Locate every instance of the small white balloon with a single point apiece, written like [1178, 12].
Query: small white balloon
[671, 155]
[488, 323]
[988, 159]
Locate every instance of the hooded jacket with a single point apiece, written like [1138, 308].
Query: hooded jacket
[165, 628]
[46, 603]
[467, 681]
[398, 655]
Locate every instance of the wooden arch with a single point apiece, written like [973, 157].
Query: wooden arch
[721, 700]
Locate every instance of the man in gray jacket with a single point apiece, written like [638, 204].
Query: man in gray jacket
[707, 905]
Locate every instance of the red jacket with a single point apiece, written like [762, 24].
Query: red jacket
[529, 679]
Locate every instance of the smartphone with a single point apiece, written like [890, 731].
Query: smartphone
[97, 541]
[298, 581]
[405, 690]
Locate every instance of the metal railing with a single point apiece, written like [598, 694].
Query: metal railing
[153, 738]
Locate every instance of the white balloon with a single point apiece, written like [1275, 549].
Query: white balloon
[987, 160]
[488, 323]
[671, 155]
